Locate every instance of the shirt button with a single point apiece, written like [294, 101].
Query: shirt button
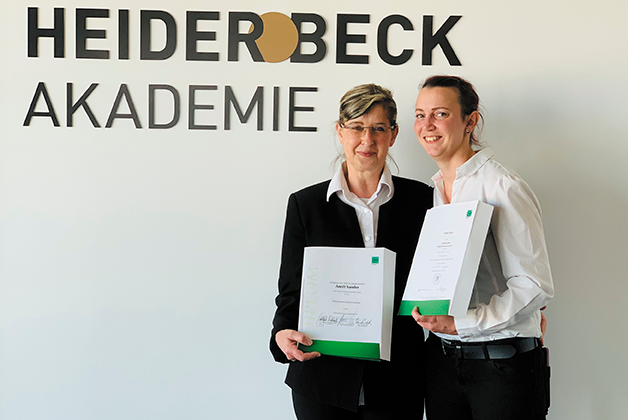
[367, 211]
[367, 238]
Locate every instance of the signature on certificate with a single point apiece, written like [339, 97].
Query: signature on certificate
[342, 320]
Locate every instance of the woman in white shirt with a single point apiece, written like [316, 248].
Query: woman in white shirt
[491, 363]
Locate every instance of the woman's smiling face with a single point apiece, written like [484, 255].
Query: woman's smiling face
[366, 151]
[439, 125]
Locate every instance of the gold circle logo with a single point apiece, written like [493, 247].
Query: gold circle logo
[280, 37]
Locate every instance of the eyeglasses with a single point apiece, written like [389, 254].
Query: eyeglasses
[376, 131]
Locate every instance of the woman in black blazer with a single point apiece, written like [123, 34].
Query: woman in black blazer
[362, 206]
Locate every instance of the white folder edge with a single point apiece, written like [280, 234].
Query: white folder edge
[471, 262]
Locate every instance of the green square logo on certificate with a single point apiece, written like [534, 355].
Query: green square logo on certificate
[346, 303]
[447, 258]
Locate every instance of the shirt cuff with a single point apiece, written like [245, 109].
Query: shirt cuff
[467, 327]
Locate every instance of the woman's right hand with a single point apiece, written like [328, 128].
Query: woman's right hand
[289, 340]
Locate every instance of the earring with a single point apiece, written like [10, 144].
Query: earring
[467, 131]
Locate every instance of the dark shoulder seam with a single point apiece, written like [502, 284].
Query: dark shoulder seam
[408, 181]
[314, 189]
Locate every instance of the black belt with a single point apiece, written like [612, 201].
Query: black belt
[487, 350]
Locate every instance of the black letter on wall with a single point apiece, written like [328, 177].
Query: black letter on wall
[292, 108]
[342, 39]
[123, 92]
[235, 37]
[192, 107]
[123, 34]
[193, 36]
[41, 90]
[82, 33]
[315, 38]
[151, 106]
[382, 40]
[146, 18]
[276, 108]
[258, 99]
[439, 38]
[82, 102]
[57, 32]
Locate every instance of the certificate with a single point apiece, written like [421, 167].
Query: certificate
[447, 258]
[346, 303]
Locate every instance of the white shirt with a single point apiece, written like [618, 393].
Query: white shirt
[367, 210]
[514, 279]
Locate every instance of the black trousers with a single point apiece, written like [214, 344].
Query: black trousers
[308, 409]
[471, 389]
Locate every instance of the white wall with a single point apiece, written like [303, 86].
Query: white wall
[138, 267]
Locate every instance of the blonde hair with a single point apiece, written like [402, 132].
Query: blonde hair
[361, 99]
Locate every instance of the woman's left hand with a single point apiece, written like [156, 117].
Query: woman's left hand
[436, 323]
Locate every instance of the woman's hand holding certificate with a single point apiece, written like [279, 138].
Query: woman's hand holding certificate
[289, 340]
[436, 323]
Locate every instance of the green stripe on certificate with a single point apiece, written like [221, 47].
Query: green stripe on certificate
[426, 307]
[345, 349]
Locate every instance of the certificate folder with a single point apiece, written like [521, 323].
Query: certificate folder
[346, 305]
[447, 258]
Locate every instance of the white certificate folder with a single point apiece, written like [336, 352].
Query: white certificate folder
[447, 258]
[346, 303]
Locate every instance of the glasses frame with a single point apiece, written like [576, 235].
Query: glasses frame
[358, 131]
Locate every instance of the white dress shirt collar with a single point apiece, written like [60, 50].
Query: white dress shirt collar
[367, 210]
[339, 185]
[471, 166]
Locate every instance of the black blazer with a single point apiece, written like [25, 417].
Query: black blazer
[312, 221]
